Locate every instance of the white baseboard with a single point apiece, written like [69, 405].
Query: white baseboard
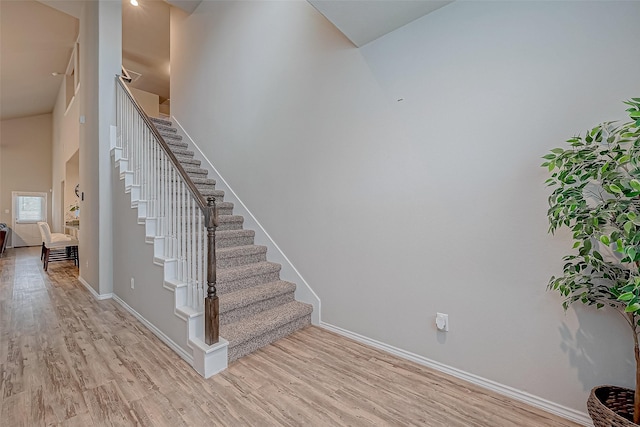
[157, 332]
[95, 294]
[510, 392]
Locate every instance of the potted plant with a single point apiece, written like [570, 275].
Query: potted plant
[596, 195]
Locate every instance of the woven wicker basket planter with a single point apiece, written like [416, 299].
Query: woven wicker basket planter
[611, 406]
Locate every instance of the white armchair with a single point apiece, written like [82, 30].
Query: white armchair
[64, 247]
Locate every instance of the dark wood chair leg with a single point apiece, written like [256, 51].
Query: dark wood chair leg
[46, 258]
[42, 252]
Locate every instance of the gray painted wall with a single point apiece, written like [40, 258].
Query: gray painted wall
[393, 210]
[100, 60]
[133, 258]
[25, 161]
[66, 133]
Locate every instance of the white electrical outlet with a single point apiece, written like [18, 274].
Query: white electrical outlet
[132, 283]
[442, 322]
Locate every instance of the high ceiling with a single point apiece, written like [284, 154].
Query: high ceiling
[35, 41]
[363, 21]
[145, 45]
[37, 38]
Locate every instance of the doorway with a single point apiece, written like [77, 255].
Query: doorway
[29, 208]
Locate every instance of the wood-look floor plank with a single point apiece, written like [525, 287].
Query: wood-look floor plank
[108, 407]
[69, 360]
[155, 410]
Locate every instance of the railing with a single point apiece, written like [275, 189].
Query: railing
[185, 221]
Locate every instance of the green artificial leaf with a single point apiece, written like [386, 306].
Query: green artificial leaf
[632, 308]
[605, 239]
[549, 156]
[626, 296]
[586, 248]
[628, 227]
[557, 150]
[632, 254]
[615, 189]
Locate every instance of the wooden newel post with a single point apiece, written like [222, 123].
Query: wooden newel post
[211, 309]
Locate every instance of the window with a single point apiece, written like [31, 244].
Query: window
[31, 209]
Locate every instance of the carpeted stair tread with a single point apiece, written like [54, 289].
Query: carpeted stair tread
[182, 152]
[218, 194]
[204, 181]
[235, 300]
[258, 299]
[249, 270]
[237, 251]
[240, 255]
[173, 139]
[240, 332]
[166, 129]
[188, 161]
[226, 234]
[224, 208]
[230, 222]
[196, 171]
[161, 122]
[176, 144]
[233, 238]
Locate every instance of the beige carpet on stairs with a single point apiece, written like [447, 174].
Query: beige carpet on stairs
[256, 307]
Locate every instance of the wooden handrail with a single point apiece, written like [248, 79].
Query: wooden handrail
[200, 200]
[209, 210]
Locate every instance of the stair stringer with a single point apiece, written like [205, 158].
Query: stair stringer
[303, 292]
[206, 360]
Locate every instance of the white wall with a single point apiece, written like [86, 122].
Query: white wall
[66, 136]
[393, 210]
[25, 163]
[150, 102]
[100, 60]
[133, 259]
[71, 179]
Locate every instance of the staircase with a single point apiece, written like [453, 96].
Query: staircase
[256, 307]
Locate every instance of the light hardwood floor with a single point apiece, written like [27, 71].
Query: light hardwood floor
[69, 360]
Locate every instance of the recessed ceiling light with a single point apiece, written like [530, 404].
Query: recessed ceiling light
[134, 2]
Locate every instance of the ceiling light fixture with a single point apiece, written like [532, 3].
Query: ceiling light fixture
[55, 73]
[134, 2]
